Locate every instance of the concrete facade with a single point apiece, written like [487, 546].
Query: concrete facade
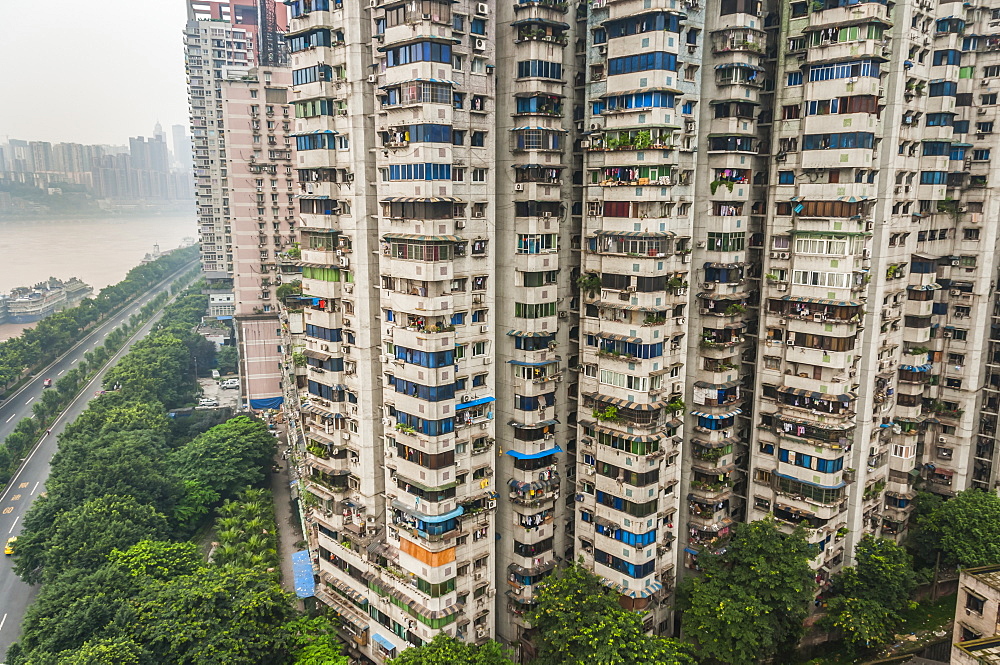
[603, 279]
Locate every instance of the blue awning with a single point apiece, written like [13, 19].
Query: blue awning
[544, 453]
[806, 482]
[746, 65]
[522, 363]
[717, 416]
[475, 402]
[383, 642]
[691, 551]
[312, 197]
[430, 519]
[545, 129]
[302, 571]
[916, 368]
[267, 403]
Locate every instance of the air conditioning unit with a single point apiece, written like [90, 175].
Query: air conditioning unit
[947, 334]
[373, 3]
[479, 214]
[981, 111]
[347, 323]
[518, 187]
[482, 9]
[459, 223]
[324, 347]
[372, 78]
[546, 214]
[563, 315]
[954, 292]
[955, 262]
[484, 329]
[784, 255]
[942, 439]
[343, 261]
[480, 45]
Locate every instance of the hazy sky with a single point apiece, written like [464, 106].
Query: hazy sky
[91, 72]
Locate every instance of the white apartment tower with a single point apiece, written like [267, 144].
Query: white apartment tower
[600, 279]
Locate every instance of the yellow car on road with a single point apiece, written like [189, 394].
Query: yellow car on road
[9, 547]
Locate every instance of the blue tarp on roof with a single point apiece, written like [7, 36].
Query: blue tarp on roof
[544, 453]
[386, 644]
[267, 403]
[302, 570]
[475, 402]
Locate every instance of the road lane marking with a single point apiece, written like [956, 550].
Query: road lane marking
[29, 401]
[15, 497]
[23, 485]
[73, 361]
[60, 372]
[34, 488]
[14, 524]
[8, 510]
[3, 621]
[12, 417]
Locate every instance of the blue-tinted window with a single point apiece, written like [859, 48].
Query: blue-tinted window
[838, 141]
[943, 89]
[794, 78]
[933, 177]
[940, 119]
[786, 177]
[325, 334]
[418, 52]
[539, 69]
[431, 359]
[936, 148]
[642, 62]
[947, 57]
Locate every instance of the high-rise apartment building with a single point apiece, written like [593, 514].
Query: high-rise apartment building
[602, 279]
[241, 125]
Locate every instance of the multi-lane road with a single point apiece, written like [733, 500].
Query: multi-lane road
[29, 482]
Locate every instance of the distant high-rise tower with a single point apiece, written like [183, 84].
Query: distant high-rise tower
[181, 147]
[158, 132]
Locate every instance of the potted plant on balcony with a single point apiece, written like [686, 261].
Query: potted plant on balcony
[406, 429]
[608, 413]
[589, 283]
[675, 405]
[714, 185]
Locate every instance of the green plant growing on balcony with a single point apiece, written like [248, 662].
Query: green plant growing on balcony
[676, 283]
[842, 531]
[771, 277]
[654, 319]
[917, 350]
[589, 283]
[609, 413]
[891, 271]
[318, 450]
[714, 185]
[294, 252]
[405, 429]
[643, 140]
[298, 359]
[676, 404]
[289, 289]
[735, 309]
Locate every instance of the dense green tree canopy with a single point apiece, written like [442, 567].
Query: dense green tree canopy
[963, 529]
[579, 622]
[753, 598]
[446, 650]
[228, 457]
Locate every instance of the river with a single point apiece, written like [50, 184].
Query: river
[100, 252]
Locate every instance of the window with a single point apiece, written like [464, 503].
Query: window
[843, 70]
[989, 100]
[981, 155]
[534, 311]
[786, 177]
[643, 62]
[726, 242]
[940, 119]
[478, 26]
[418, 52]
[478, 139]
[843, 141]
[478, 66]
[974, 603]
[539, 69]
[943, 89]
[933, 177]
[791, 112]
[479, 175]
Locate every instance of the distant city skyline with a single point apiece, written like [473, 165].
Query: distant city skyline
[119, 71]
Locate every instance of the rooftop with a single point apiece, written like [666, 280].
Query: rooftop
[987, 574]
[985, 651]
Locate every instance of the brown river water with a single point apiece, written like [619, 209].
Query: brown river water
[97, 251]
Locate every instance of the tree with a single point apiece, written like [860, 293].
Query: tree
[227, 357]
[446, 650]
[314, 641]
[579, 622]
[870, 596]
[110, 651]
[963, 529]
[228, 457]
[753, 598]
[864, 622]
[83, 536]
[219, 614]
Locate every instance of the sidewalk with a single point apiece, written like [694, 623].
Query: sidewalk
[286, 516]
